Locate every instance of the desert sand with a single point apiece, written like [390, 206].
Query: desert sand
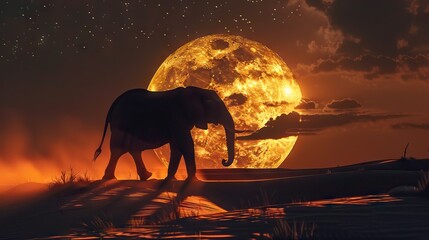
[350, 202]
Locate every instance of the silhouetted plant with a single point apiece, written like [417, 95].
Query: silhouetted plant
[172, 211]
[404, 157]
[423, 184]
[69, 177]
[298, 230]
[137, 221]
[405, 152]
[63, 177]
[84, 178]
[72, 176]
[422, 188]
[99, 224]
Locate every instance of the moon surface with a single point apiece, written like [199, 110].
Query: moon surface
[252, 80]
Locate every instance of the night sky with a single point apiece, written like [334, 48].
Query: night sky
[362, 65]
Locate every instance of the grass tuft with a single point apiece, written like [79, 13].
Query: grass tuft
[297, 230]
[69, 177]
[99, 224]
[423, 184]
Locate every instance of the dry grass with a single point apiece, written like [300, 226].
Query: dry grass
[422, 188]
[297, 230]
[137, 222]
[423, 184]
[99, 224]
[171, 211]
[281, 228]
[69, 177]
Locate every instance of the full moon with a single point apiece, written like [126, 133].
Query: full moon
[252, 80]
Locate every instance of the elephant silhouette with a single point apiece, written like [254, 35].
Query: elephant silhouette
[140, 119]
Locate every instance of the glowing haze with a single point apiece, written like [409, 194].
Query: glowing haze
[62, 64]
[253, 81]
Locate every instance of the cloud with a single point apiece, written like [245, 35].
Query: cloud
[374, 66]
[294, 124]
[420, 126]
[329, 41]
[236, 99]
[344, 104]
[306, 104]
[378, 29]
[361, 63]
[402, 43]
[377, 43]
[414, 67]
[275, 104]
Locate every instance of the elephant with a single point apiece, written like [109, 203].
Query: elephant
[140, 119]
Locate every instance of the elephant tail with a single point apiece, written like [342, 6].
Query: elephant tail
[106, 123]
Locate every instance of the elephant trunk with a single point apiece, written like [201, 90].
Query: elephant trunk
[229, 126]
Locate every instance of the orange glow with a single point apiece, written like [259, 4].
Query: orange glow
[358, 200]
[73, 149]
[198, 206]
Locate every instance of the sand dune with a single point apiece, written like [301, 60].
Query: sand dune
[348, 202]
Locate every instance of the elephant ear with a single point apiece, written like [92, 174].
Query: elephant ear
[194, 110]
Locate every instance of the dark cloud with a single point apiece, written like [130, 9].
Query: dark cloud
[419, 126]
[236, 99]
[275, 104]
[362, 63]
[344, 104]
[414, 67]
[294, 124]
[372, 66]
[377, 25]
[319, 4]
[368, 63]
[325, 65]
[306, 104]
[379, 37]
[413, 63]
[419, 29]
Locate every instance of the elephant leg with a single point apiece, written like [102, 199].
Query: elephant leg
[143, 173]
[175, 156]
[186, 145]
[115, 154]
